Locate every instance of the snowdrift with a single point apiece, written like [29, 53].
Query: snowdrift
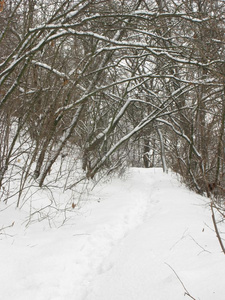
[144, 236]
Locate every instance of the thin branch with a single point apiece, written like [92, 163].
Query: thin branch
[186, 291]
[216, 229]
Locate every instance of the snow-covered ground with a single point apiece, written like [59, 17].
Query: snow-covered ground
[142, 237]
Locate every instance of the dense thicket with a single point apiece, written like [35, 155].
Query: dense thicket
[137, 83]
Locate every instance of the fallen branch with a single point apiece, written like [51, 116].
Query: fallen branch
[216, 229]
[3, 228]
[203, 249]
[186, 291]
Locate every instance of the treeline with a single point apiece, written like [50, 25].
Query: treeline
[118, 82]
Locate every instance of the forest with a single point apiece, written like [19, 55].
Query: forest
[92, 87]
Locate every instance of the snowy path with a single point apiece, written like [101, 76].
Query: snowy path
[174, 236]
[121, 245]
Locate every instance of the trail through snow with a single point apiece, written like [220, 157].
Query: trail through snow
[139, 238]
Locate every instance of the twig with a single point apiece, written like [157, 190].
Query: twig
[199, 245]
[216, 229]
[3, 228]
[219, 210]
[186, 291]
[183, 236]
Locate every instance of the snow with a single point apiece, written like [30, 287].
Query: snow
[142, 236]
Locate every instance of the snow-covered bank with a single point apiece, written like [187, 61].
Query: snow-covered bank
[131, 239]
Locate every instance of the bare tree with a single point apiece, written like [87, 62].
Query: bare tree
[117, 81]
